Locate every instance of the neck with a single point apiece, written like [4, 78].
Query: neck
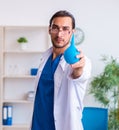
[57, 51]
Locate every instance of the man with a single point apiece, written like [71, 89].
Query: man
[61, 86]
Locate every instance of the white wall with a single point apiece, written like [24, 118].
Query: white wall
[99, 19]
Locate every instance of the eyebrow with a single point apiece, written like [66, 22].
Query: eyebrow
[59, 26]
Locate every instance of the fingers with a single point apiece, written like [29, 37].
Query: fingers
[81, 62]
[81, 55]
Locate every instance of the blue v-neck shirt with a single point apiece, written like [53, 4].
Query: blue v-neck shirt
[43, 118]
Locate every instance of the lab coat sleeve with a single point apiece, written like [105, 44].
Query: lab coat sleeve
[80, 83]
[86, 72]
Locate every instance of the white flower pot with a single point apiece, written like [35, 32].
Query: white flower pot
[23, 46]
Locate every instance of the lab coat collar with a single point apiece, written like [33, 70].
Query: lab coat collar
[62, 62]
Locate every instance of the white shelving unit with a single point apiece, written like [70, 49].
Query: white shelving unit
[1, 73]
[15, 66]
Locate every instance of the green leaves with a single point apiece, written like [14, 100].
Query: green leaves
[105, 89]
[22, 40]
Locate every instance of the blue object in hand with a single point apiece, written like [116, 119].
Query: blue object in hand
[71, 52]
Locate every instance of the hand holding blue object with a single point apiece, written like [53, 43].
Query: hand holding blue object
[71, 52]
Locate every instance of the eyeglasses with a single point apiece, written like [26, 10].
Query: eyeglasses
[56, 29]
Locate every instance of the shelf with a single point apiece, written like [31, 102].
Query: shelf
[15, 69]
[16, 126]
[18, 76]
[26, 27]
[22, 52]
[18, 101]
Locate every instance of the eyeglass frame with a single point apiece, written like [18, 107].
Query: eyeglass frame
[55, 29]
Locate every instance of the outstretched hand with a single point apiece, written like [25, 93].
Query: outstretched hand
[78, 66]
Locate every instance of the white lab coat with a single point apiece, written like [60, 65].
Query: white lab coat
[68, 93]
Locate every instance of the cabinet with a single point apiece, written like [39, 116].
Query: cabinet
[15, 66]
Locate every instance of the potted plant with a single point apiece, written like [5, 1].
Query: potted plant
[22, 41]
[105, 89]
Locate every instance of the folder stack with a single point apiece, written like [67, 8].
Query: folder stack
[7, 115]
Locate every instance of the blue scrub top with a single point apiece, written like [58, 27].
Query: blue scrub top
[43, 118]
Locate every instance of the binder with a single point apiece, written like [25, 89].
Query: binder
[7, 115]
[4, 115]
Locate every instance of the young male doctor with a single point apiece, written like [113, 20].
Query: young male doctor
[60, 86]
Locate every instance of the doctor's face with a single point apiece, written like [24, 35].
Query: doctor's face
[61, 31]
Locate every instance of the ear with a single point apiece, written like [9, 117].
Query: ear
[49, 30]
[73, 31]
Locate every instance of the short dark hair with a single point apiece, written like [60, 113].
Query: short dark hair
[63, 13]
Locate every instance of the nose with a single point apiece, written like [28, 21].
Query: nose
[60, 32]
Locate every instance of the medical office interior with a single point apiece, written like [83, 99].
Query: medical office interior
[99, 21]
